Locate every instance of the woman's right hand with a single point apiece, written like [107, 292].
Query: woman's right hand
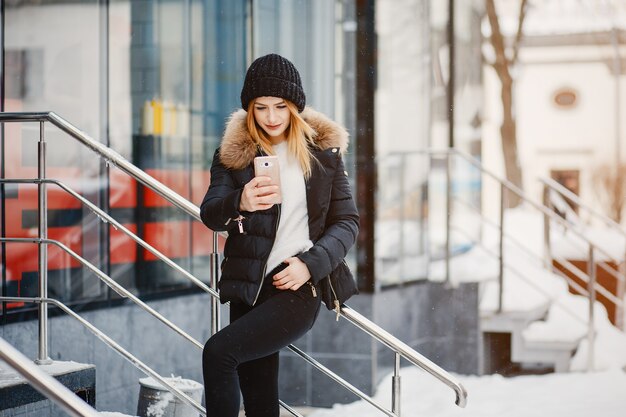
[258, 194]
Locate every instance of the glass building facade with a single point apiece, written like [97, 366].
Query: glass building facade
[156, 80]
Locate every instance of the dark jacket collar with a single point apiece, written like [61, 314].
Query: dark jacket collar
[238, 148]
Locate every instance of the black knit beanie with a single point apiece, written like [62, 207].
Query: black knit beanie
[273, 76]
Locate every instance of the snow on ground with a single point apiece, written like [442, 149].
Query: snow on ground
[526, 284]
[553, 395]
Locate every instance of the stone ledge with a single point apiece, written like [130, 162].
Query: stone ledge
[15, 391]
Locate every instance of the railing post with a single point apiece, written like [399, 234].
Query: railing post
[448, 216]
[501, 250]
[591, 288]
[214, 276]
[402, 251]
[395, 393]
[42, 212]
[547, 248]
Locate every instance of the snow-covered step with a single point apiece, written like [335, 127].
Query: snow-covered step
[552, 341]
[18, 397]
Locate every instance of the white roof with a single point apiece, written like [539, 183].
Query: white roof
[561, 17]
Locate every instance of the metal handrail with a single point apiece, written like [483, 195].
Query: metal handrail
[114, 345]
[44, 383]
[406, 352]
[573, 269]
[117, 160]
[121, 291]
[613, 225]
[110, 156]
[559, 188]
[118, 226]
[548, 215]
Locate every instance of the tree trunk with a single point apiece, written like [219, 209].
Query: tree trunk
[502, 66]
[508, 132]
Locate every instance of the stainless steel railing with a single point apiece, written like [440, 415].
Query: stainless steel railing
[589, 277]
[548, 216]
[44, 383]
[114, 345]
[112, 157]
[618, 272]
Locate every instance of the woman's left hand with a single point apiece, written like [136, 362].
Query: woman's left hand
[292, 277]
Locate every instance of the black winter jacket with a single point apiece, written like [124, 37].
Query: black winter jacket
[333, 217]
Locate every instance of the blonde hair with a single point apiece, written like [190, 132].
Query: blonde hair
[299, 137]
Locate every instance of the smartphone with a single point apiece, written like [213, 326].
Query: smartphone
[268, 166]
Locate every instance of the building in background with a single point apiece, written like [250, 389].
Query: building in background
[570, 95]
[156, 80]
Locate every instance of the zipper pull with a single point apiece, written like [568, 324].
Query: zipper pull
[313, 289]
[240, 223]
[337, 310]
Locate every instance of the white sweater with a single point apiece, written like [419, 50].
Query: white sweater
[292, 236]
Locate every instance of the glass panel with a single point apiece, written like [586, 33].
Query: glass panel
[179, 94]
[402, 131]
[155, 80]
[50, 68]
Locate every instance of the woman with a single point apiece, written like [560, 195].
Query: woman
[276, 254]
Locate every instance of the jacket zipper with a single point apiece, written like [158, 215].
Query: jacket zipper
[240, 223]
[265, 265]
[313, 290]
[337, 307]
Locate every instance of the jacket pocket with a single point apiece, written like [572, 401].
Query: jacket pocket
[338, 287]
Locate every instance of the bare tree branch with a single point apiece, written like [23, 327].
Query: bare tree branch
[501, 64]
[518, 35]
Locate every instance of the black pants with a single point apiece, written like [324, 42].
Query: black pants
[244, 354]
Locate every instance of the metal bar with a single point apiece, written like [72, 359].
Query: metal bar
[448, 217]
[586, 279]
[123, 292]
[42, 214]
[115, 346]
[501, 251]
[407, 352]
[44, 383]
[289, 409]
[548, 182]
[395, 390]
[547, 248]
[213, 280]
[340, 380]
[117, 225]
[120, 162]
[591, 288]
[20, 117]
[532, 284]
[615, 273]
[113, 157]
[356, 318]
[109, 155]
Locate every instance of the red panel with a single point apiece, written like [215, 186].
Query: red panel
[123, 190]
[69, 236]
[202, 239]
[57, 197]
[199, 183]
[170, 238]
[123, 249]
[176, 180]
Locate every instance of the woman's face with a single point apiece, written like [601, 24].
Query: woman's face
[272, 114]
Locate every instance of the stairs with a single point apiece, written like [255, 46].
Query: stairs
[536, 337]
[19, 398]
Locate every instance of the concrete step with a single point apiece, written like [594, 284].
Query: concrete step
[18, 397]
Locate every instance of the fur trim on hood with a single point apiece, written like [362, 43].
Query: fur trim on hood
[238, 148]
